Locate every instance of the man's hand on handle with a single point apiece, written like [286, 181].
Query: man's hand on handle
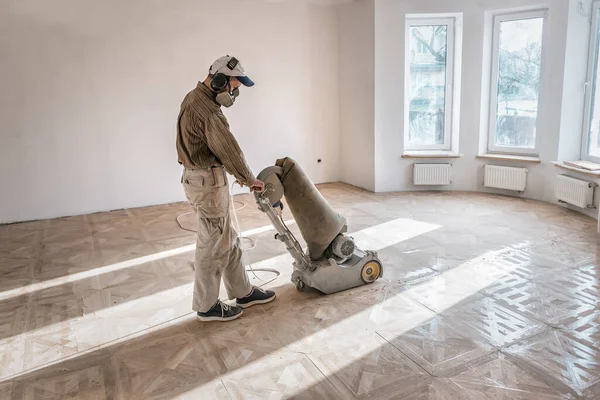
[257, 186]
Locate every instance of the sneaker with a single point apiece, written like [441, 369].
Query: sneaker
[221, 312]
[256, 296]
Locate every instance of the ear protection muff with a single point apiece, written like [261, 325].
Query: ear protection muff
[220, 81]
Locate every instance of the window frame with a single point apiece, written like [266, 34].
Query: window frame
[450, 22]
[498, 19]
[591, 77]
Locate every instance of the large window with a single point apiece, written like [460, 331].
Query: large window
[591, 126]
[515, 84]
[429, 80]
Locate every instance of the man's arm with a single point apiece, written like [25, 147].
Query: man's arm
[224, 145]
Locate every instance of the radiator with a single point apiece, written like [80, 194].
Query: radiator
[575, 191]
[431, 174]
[509, 178]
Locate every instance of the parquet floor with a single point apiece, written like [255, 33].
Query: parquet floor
[483, 297]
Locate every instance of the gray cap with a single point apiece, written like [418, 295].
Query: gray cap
[231, 66]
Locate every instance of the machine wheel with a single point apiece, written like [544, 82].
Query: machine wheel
[370, 272]
[300, 286]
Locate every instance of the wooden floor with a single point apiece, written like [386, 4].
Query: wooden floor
[482, 297]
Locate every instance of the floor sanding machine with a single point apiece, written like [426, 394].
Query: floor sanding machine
[332, 262]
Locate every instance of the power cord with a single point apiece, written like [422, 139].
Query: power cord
[251, 240]
[237, 227]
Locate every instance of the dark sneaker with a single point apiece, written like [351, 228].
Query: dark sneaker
[221, 312]
[256, 296]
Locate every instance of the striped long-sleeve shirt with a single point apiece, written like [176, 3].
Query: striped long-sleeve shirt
[204, 139]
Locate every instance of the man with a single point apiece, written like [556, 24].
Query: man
[207, 149]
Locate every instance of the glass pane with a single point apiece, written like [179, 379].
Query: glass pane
[594, 128]
[427, 91]
[519, 62]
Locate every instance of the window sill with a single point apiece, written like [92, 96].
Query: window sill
[431, 154]
[559, 164]
[509, 157]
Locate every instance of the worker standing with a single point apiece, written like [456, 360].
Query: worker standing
[207, 150]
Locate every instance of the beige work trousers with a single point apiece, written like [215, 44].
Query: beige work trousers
[218, 252]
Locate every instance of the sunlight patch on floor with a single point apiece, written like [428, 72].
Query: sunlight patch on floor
[452, 287]
[26, 290]
[130, 319]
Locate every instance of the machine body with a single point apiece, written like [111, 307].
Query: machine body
[332, 262]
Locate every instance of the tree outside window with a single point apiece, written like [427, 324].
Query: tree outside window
[516, 75]
[428, 96]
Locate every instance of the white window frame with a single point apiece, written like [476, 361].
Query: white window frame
[593, 58]
[493, 102]
[449, 106]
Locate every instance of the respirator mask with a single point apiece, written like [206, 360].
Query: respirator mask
[226, 98]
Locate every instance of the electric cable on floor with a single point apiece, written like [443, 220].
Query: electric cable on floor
[251, 240]
[237, 227]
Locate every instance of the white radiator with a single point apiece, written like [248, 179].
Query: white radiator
[575, 191]
[509, 178]
[431, 174]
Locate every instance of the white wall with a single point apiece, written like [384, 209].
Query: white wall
[576, 57]
[357, 90]
[89, 94]
[560, 108]
[90, 91]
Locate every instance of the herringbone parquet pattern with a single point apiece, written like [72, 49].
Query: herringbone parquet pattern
[483, 297]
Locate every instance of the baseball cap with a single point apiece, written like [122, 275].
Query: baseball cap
[231, 66]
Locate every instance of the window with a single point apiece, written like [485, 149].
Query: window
[591, 125]
[515, 84]
[429, 79]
